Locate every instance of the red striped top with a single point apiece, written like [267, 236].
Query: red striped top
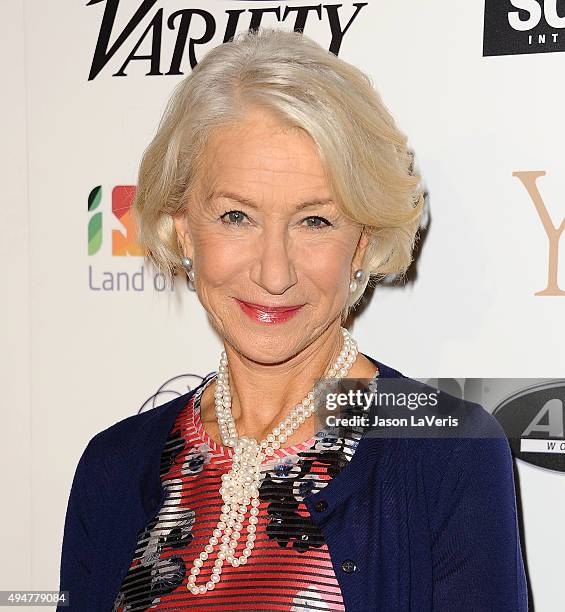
[290, 566]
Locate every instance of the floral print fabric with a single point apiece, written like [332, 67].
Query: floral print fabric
[290, 566]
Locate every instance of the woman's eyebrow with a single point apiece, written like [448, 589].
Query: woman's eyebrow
[243, 200]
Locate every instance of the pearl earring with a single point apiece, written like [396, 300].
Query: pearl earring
[187, 265]
[359, 276]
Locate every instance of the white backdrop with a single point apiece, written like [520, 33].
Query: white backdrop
[78, 358]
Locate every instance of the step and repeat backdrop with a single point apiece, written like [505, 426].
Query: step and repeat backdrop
[93, 334]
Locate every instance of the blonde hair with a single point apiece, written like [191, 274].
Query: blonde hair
[368, 165]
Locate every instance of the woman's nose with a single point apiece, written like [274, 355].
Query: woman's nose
[275, 270]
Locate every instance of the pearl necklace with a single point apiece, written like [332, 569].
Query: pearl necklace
[240, 486]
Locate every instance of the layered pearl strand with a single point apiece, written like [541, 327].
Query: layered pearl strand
[240, 486]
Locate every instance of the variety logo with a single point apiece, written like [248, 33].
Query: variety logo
[513, 27]
[149, 27]
[529, 180]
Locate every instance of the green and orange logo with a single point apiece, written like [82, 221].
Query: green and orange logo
[123, 241]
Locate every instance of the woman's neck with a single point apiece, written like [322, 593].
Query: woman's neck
[263, 395]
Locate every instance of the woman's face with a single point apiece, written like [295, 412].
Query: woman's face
[262, 228]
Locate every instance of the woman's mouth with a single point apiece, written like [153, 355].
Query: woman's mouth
[268, 314]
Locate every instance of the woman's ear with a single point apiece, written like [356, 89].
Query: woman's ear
[360, 250]
[183, 233]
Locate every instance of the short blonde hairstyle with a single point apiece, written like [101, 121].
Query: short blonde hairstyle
[368, 165]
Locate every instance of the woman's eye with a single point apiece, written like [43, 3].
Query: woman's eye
[234, 217]
[324, 222]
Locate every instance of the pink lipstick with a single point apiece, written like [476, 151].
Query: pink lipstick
[268, 314]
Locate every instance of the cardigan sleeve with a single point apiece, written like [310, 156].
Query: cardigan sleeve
[78, 538]
[477, 558]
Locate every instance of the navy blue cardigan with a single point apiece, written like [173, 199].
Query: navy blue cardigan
[412, 524]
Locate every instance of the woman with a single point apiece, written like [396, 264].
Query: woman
[280, 183]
